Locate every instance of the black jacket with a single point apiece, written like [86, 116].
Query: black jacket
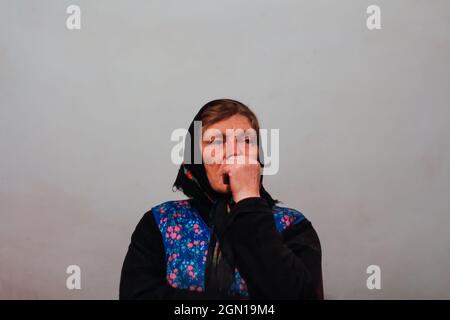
[274, 265]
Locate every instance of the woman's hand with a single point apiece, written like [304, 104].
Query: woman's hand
[244, 177]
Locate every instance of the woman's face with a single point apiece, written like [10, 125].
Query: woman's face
[224, 139]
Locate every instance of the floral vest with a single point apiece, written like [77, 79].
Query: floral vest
[186, 238]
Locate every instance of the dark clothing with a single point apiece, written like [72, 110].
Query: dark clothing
[274, 265]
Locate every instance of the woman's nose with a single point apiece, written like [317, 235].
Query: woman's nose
[232, 148]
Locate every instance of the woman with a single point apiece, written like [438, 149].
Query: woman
[229, 239]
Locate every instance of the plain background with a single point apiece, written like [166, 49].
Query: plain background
[86, 118]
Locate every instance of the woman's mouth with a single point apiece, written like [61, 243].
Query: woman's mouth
[225, 178]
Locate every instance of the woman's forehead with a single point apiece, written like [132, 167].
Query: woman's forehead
[234, 122]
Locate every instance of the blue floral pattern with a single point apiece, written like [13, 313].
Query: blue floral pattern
[186, 238]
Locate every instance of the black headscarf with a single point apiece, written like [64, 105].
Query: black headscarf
[213, 206]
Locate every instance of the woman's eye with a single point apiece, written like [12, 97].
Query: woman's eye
[216, 141]
[249, 140]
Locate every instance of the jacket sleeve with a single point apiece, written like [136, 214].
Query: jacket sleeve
[274, 265]
[143, 273]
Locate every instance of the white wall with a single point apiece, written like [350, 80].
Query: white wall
[86, 118]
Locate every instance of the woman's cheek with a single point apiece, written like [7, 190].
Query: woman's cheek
[212, 154]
